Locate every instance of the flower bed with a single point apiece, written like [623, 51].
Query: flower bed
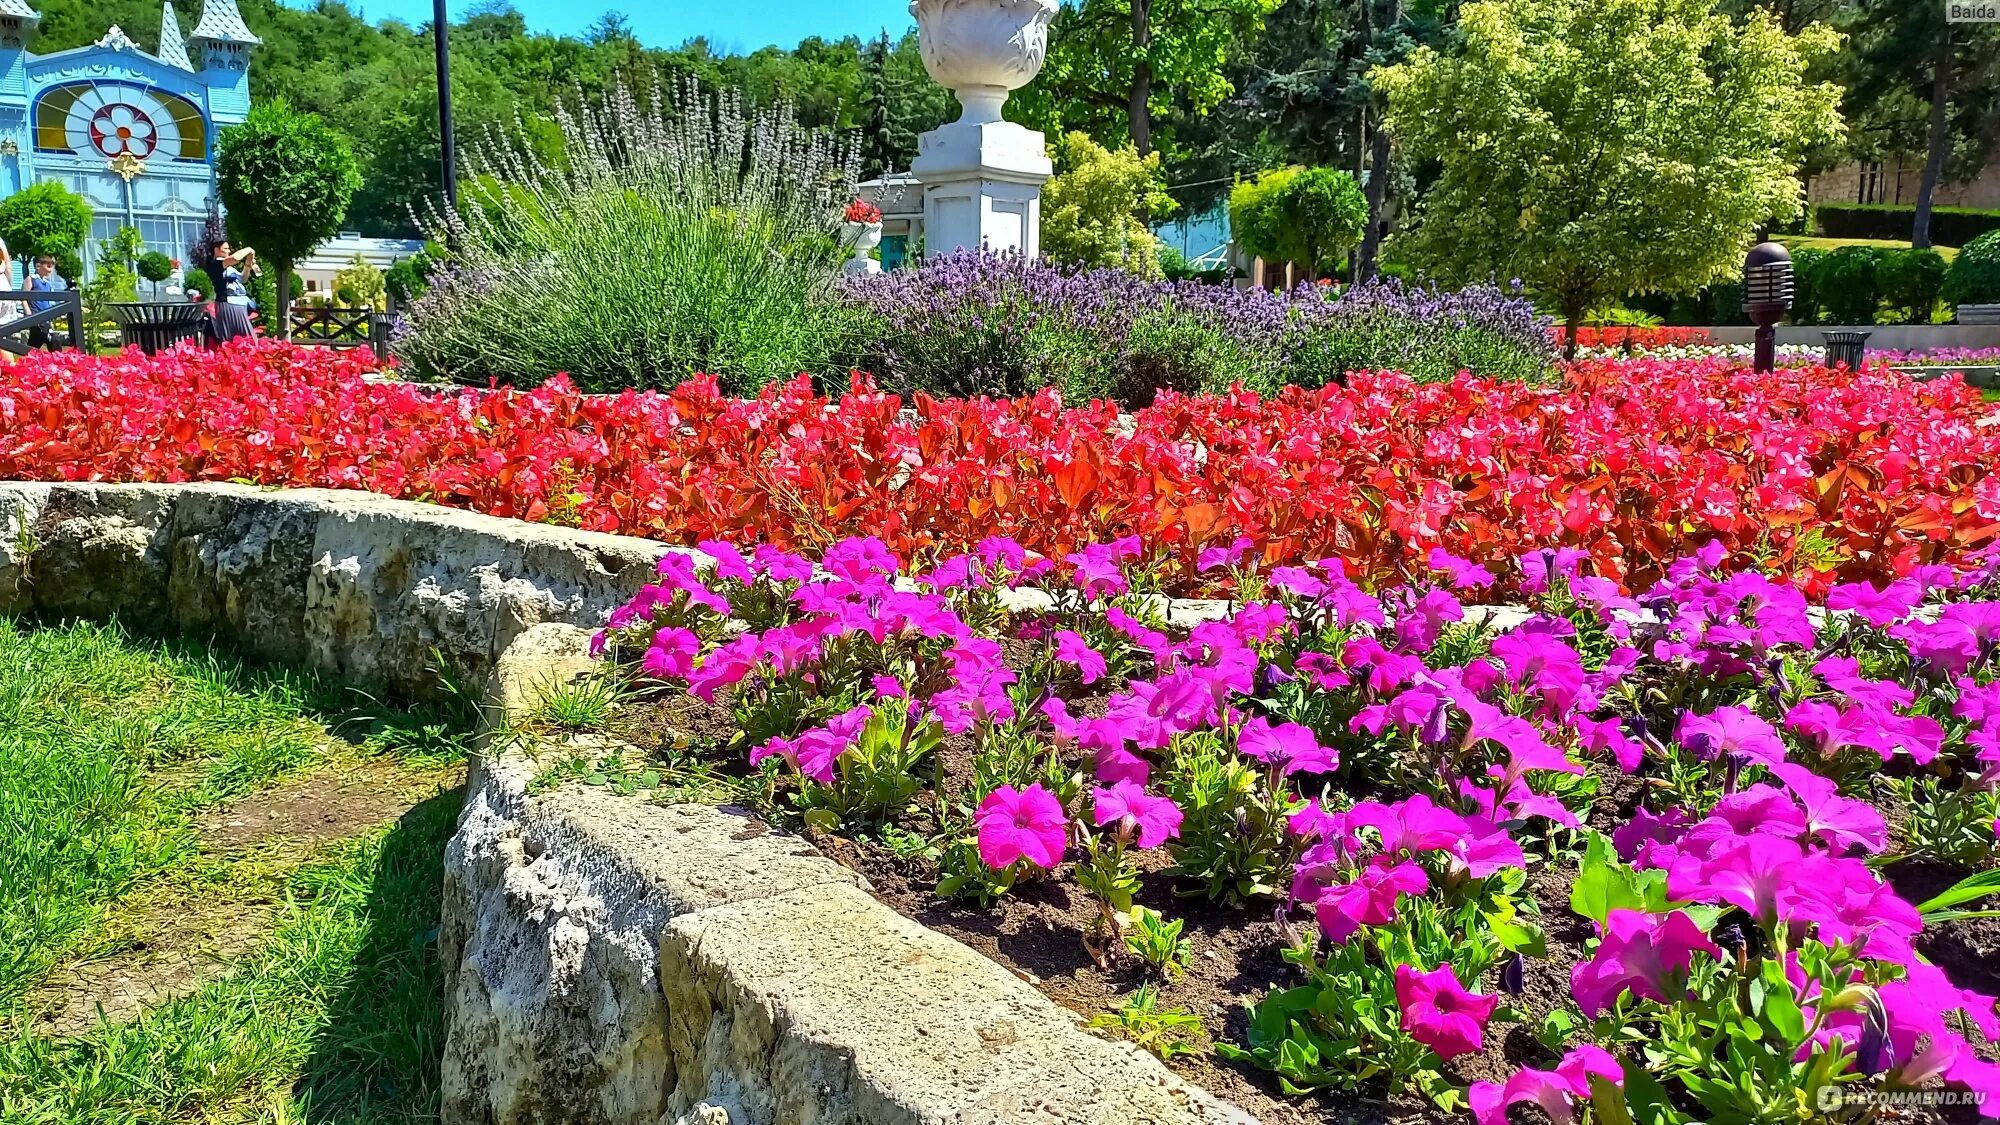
[1621, 854]
[1624, 338]
[1819, 475]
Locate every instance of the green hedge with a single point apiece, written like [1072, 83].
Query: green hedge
[1975, 276]
[1950, 226]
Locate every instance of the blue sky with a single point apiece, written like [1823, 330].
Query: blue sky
[733, 25]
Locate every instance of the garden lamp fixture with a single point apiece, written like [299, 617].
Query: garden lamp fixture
[1767, 297]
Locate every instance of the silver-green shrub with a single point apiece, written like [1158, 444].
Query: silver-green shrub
[675, 234]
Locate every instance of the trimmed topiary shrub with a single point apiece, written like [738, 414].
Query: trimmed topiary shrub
[1974, 279]
[1910, 281]
[1848, 290]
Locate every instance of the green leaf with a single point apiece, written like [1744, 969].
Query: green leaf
[1971, 888]
[1603, 884]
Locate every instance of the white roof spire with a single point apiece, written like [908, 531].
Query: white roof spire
[173, 49]
[222, 23]
[19, 9]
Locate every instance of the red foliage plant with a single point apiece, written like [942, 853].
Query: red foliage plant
[1825, 476]
[862, 211]
[1618, 336]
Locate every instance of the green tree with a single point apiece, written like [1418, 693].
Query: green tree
[359, 285]
[1095, 208]
[44, 218]
[155, 267]
[286, 180]
[1596, 148]
[1920, 84]
[1114, 65]
[1306, 215]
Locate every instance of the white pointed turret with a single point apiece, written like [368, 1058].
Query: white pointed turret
[173, 49]
[219, 46]
[220, 22]
[19, 9]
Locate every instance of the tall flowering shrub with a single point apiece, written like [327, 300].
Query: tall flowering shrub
[1820, 475]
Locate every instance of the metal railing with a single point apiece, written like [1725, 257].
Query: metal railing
[64, 304]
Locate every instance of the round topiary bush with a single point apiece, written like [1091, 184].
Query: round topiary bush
[1975, 277]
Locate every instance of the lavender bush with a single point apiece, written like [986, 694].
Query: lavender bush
[970, 323]
[673, 236]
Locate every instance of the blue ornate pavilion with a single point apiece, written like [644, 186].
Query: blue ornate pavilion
[132, 131]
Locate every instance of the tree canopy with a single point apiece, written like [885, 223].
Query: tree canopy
[286, 180]
[1094, 210]
[1595, 148]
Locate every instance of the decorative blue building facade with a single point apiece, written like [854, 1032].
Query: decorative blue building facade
[131, 131]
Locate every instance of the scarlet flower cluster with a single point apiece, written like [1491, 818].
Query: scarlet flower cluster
[1623, 336]
[1819, 475]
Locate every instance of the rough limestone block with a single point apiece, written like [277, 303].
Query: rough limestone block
[101, 550]
[240, 561]
[824, 1006]
[20, 504]
[554, 905]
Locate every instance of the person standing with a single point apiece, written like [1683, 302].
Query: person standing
[44, 280]
[225, 268]
[9, 310]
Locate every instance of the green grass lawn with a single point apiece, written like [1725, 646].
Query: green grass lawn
[1804, 242]
[112, 750]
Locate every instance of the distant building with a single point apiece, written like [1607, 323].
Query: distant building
[316, 272]
[1896, 181]
[131, 131]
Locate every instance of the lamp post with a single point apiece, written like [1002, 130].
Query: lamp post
[447, 144]
[1767, 297]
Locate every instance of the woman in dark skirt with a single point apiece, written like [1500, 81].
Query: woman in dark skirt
[225, 269]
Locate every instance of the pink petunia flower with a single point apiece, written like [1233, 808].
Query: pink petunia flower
[1071, 648]
[1439, 1013]
[1647, 955]
[1557, 1093]
[1151, 820]
[1015, 824]
[671, 655]
[1369, 900]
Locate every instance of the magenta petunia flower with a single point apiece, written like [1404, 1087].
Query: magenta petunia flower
[729, 562]
[1289, 746]
[1151, 820]
[1015, 824]
[1607, 736]
[1880, 607]
[1731, 730]
[1645, 954]
[1460, 572]
[1071, 648]
[671, 655]
[1543, 663]
[1369, 900]
[1222, 558]
[1439, 1013]
[1841, 823]
[1557, 1093]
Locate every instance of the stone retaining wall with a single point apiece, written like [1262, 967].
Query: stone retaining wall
[608, 960]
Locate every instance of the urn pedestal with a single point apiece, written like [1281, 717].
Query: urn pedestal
[982, 174]
[860, 238]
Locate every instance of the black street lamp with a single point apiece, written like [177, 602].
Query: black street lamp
[1767, 297]
[448, 145]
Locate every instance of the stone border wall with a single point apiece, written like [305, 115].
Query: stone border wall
[608, 961]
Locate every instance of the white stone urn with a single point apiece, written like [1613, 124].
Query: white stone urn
[983, 50]
[860, 238]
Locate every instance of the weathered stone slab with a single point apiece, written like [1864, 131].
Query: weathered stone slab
[823, 1005]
